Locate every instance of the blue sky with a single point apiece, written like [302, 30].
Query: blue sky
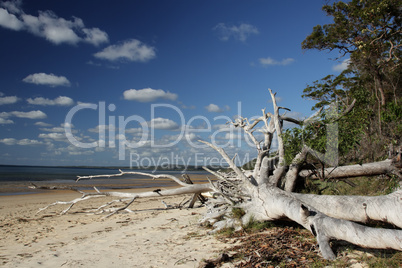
[136, 82]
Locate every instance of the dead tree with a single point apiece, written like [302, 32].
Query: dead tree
[259, 194]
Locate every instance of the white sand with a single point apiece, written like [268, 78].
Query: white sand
[149, 237]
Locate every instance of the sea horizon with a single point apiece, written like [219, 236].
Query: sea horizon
[17, 179]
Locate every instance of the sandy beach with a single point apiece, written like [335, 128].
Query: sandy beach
[151, 236]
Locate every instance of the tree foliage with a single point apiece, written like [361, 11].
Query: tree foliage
[369, 31]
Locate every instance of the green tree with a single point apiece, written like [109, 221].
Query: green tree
[369, 31]
[343, 88]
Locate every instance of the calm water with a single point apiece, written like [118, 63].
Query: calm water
[16, 179]
[31, 173]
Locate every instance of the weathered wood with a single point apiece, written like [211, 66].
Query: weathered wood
[368, 169]
[383, 208]
[195, 197]
[261, 198]
[270, 203]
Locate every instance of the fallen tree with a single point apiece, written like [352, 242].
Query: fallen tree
[260, 195]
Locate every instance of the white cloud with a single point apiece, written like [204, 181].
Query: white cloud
[67, 125]
[163, 123]
[47, 80]
[60, 129]
[49, 26]
[95, 36]
[10, 21]
[84, 103]
[8, 100]
[213, 108]
[103, 128]
[190, 136]
[136, 130]
[232, 136]
[29, 142]
[183, 106]
[9, 141]
[54, 129]
[241, 32]
[342, 66]
[42, 124]
[224, 127]
[131, 50]
[148, 95]
[60, 101]
[52, 28]
[30, 115]
[4, 114]
[99, 128]
[13, 6]
[81, 152]
[22, 142]
[271, 61]
[4, 121]
[54, 136]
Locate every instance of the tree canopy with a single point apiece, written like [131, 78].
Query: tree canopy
[369, 32]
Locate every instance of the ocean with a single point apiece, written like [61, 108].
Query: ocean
[17, 179]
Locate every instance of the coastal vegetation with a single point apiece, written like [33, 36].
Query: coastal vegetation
[310, 179]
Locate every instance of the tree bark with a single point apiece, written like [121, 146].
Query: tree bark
[385, 208]
[271, 203]
[258, 194]
[369, 169]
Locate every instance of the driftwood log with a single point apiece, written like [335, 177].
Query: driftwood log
[259, 194]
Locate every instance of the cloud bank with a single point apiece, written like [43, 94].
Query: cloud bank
[241, 32]
[163, 123]
[148, 95]
[213, 108]
[30, 115]
[4, 121]
[131, 50]
[270, 61]
[8, 100]
[49, 26]
[47, 80]
[59, 101]
[23, 142]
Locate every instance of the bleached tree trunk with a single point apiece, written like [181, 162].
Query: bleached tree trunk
[186, 188]
[384, 208]
[327, 217]
[368, 169]
[271, 203]
[258, 194]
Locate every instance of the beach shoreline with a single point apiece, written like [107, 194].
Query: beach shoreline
[150, 236]
[121, 184]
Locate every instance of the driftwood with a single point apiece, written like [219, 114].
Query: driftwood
[258, 193]
[41, 187]
[368, 169]
[196, 196]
